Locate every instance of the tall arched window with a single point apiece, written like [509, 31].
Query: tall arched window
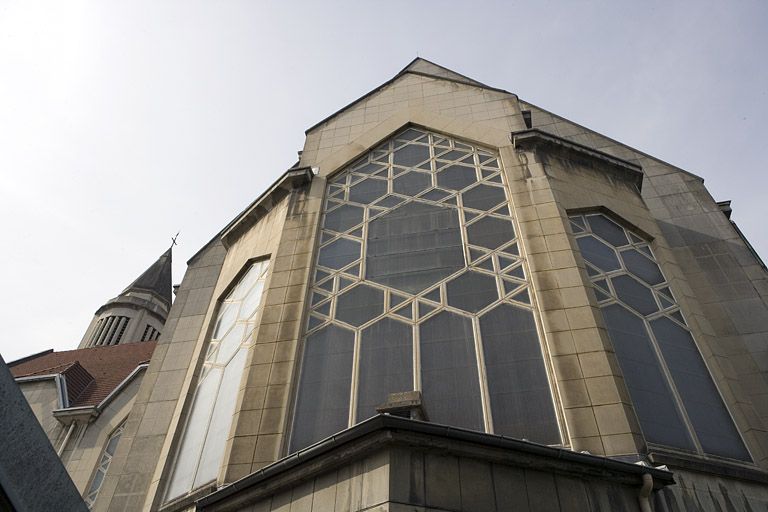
[202, 445]
[103, 466]
[673, 393]
[419, 284]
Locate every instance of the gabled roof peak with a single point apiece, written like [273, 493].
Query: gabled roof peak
[156, 279]
[426, 67]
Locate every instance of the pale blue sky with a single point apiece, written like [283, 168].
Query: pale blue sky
[124, 122]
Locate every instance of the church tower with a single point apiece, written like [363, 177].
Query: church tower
[138, 313]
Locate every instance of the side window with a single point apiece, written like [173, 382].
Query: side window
[103, 466]
[202, 446]
[673, 393]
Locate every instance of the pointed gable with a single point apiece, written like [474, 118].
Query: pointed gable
[425, 67]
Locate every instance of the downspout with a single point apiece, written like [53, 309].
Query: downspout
[645, 492]
[66, 438]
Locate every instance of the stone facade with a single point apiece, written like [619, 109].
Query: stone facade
[552, 169]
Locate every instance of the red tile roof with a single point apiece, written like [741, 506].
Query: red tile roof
[91, 373]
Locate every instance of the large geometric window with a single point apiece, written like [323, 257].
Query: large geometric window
[101, 469]
[673, 393]
[210, 418]
[419, 285]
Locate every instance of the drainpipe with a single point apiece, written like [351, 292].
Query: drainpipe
[645, 492]
[66, 438]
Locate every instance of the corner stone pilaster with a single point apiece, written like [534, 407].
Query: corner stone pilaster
[597, 409]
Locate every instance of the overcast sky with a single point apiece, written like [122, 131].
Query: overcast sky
[122, 123]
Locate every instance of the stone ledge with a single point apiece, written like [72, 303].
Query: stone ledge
[384, 430]
[535, 138]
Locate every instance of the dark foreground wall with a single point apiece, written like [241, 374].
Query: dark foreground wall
[31, 474]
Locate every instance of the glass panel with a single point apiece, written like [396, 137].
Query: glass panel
[652, 398]
[252, 301]
[221, 420]
[456, 177]
[411, 183]
[230, 343]
[634, 294]
[642, 267]
[360, 304]
[597, 253]
[472, 291]
[410, 155]
[344, 217]
[483, 197]
[227, 316]
[450, 386]
[706, 410]
[194, 435]
[322, 406]
[339, 253]
[367, 191]
[386, 364]
[521, 401]
[414, 246]
[490, 232]
[608, 230]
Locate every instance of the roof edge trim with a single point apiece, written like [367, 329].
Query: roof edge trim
[643, 153]
[293, 176]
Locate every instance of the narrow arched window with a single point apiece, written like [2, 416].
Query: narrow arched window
[201, 450]
[672, 391]
[420, 285]
[103, 465]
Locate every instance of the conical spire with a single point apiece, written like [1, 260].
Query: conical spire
[156, 279]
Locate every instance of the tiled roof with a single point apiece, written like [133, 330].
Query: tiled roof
[91, 373]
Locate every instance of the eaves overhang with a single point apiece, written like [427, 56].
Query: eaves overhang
[383, 430]
[533, 139]
[294, 177]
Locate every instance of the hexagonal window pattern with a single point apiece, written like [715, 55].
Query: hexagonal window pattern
[339, 253]
[410, 155]
[490, 232]
[483, 197]
[360, 304]
[597, 253]
[415, 204]
[411, 183]
[472, 291]
[414, 246]
[647, 340]
[367, 191]
[608, 230]
[634, 294]
[456, 177]
[344, 217]
[642, 266]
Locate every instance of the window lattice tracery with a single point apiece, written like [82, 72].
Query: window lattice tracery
[201, 450]
[419, 285]
[673, 394]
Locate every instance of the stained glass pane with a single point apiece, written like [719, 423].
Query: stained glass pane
[386, 364]
[521, 401]
[608, 230]
[652, 397]
[322, 406]
[450, 384]
[597, 253]
[414, 246]
[706, 410]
